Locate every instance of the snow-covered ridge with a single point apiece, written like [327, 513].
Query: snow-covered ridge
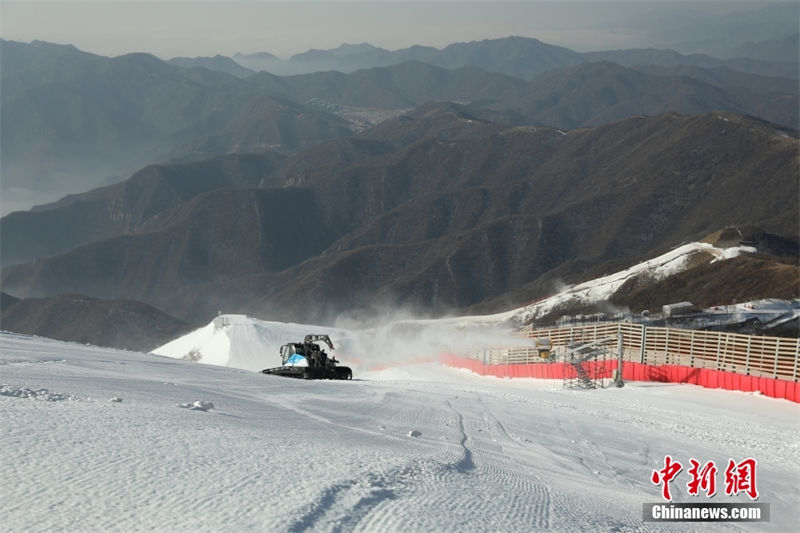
[601, 289]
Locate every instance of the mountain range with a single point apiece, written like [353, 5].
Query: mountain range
[74, 120]
[449, 219]
[463, 183]
[774, 54]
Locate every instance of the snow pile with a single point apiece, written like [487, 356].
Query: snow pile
[239, 341]
[601, 289]
[199, 405]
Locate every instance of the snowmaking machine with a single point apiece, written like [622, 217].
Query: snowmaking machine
[308, 361]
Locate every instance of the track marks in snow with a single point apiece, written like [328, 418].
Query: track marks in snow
[487, 455]
[465, 455]
[466, 464]
[340, 507]
[24, 361]
[527, 496]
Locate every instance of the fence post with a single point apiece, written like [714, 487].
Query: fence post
[644, 342]
[719, 348]
[620, 350]
[691, 350]
[747, 357]
[777, 352]
[796, 357]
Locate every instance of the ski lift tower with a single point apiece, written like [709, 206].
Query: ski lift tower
[588, 359]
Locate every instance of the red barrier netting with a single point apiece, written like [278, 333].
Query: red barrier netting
[704, 377]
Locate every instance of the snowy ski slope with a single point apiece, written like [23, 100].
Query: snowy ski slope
[104, 440]
[658, 268]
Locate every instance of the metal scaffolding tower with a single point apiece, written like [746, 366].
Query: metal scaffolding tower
[588, 359]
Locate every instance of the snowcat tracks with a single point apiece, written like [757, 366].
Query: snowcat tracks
[341, 372]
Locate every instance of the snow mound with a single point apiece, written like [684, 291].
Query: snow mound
[239, 341]
[199, 405]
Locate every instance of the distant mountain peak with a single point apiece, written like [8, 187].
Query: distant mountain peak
[261, 56]
[347, 49]
[142, 58]
[218, 62]
[46, 44]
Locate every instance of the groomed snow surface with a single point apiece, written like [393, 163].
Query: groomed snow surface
[103, 440]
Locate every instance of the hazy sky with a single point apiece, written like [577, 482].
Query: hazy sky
[201, 28]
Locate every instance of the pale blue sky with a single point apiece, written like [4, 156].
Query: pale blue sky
[199, 28]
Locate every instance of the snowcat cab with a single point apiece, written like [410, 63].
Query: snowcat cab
[308, 361]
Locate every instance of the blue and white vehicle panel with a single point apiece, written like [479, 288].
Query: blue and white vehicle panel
[296, 360]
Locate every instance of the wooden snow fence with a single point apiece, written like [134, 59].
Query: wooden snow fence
[710, 359]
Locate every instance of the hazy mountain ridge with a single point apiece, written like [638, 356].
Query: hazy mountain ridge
[72, 117]
[786, 49]
[696, 31]
[671, 58]
[121, 324]
[591, 94]
[556, 172]
[585, 94]
[441, 224]
[69, 115]
[218, 63]
[519, 57]
[123, 207]
[526, 58]
[403, 85]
